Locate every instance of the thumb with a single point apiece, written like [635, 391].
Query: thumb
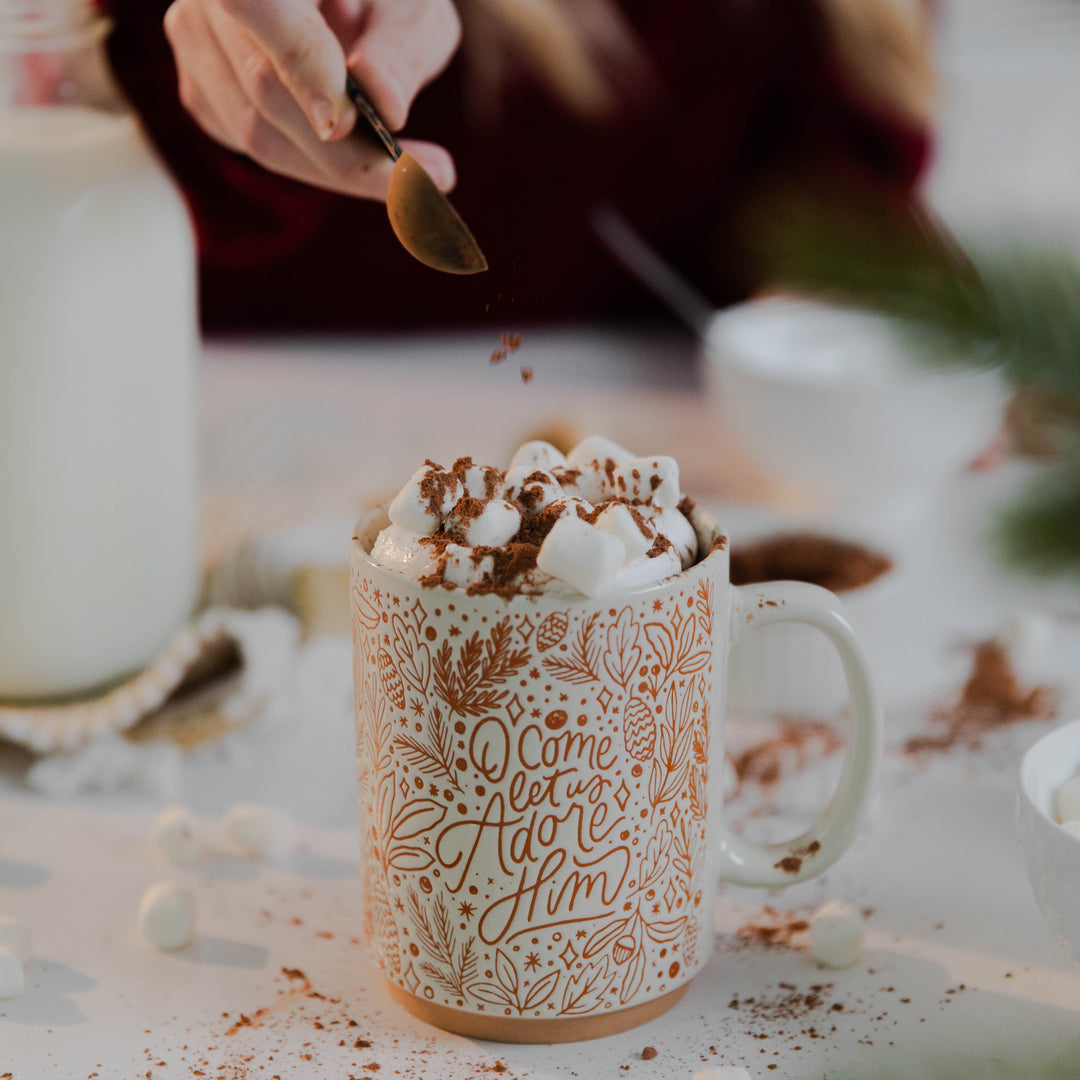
[306, 55]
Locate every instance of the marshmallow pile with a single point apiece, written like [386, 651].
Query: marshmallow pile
[1068, 806]
[599, 518]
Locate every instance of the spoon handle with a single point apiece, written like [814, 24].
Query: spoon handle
[360, 100]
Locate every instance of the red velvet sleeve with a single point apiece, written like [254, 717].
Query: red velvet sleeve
[752, 95]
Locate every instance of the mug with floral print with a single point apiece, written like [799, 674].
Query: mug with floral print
[541, 794]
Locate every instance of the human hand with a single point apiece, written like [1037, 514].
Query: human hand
[267, 78]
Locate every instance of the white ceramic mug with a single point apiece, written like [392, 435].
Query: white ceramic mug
[541, 790]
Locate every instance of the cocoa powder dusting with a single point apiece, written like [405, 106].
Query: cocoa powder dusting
[833, 564]
[992, 698]
[763, 763]
[527, 374]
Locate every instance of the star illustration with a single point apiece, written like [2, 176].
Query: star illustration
[454, 631]
[532, 961]
[562, 697]
[580, 933]
[656, 605]
[397, 601]
[535, 713]
[535, 673]
[466, 910]
[398, 904]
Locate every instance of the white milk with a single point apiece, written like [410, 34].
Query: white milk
[98, 340]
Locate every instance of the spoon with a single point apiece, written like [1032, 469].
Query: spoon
[423, 220]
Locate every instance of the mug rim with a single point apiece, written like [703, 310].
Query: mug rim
[706, 527]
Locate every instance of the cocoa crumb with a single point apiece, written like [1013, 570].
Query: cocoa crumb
[527, 374]
[648, 1053]
[511, 340]
[498, 356]
[992, 698]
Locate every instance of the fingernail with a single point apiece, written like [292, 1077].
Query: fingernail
[322, 114]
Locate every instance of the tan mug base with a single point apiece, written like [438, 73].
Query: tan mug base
[516, 1030]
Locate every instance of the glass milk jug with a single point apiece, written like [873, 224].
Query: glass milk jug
[98, 342]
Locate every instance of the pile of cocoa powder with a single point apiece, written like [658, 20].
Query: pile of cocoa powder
[838, 565]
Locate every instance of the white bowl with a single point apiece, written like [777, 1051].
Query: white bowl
[1052, 854]
[831, 401]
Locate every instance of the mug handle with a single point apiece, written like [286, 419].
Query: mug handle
[746, 863]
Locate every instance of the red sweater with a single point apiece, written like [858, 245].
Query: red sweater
[753, 97]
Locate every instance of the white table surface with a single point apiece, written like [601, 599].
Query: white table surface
[938, 864]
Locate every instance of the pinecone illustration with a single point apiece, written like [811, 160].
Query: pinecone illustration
[386, 934]
[552, 630]
[639, 729]
[391, 680]
[690, 941]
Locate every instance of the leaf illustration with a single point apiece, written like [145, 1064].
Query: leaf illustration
[635, 972]
[604, 937]
[579, 665]
[694, 662]
[705, 605]
[492, 994]
[585, 991]
[663, 643]
[433, 755]
[657, 856]
[403, 857]
[416, 817]
[623, 655]
[505, 972]
[541, 991]
[443, 670]
[666, 931]
[365, 611]
[413, 655]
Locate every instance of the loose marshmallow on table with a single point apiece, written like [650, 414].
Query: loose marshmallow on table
[167, 916]
[836, 934]
[12, 976]
[1068, 801]
[582, 555]
[261, 833]
[174, 835]
[15, 937]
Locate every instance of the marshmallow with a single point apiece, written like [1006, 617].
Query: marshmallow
[1072, 828]
[617, 520]
[588, 482]
[581, 555]
[15, 937]
[173, 834]
[261, 833]
[482, 482]
[1068, 801]
[723, 1072]
[595, 448]
[462, 569]
[12, 976]
[674, 525]
[532, 489]
[485, 524]
[402, 550]
[836, 934]
[167, 916]
[537, 455]
[653, 480]
[426, 499]
[646, 571]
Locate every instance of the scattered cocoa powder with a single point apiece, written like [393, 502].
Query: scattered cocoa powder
[763, 763]
[992, 698]
[834, 564]
[648, 1053]
[775, 928]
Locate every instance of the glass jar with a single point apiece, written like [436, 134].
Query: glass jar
[98, 349]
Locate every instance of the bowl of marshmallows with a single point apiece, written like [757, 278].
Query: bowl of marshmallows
[1048, 821]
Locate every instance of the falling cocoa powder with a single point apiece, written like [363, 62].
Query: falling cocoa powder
[527, 374]
[838, 565]
[992, 698]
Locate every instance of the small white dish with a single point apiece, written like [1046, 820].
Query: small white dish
[1051, 853]
[833, 403]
